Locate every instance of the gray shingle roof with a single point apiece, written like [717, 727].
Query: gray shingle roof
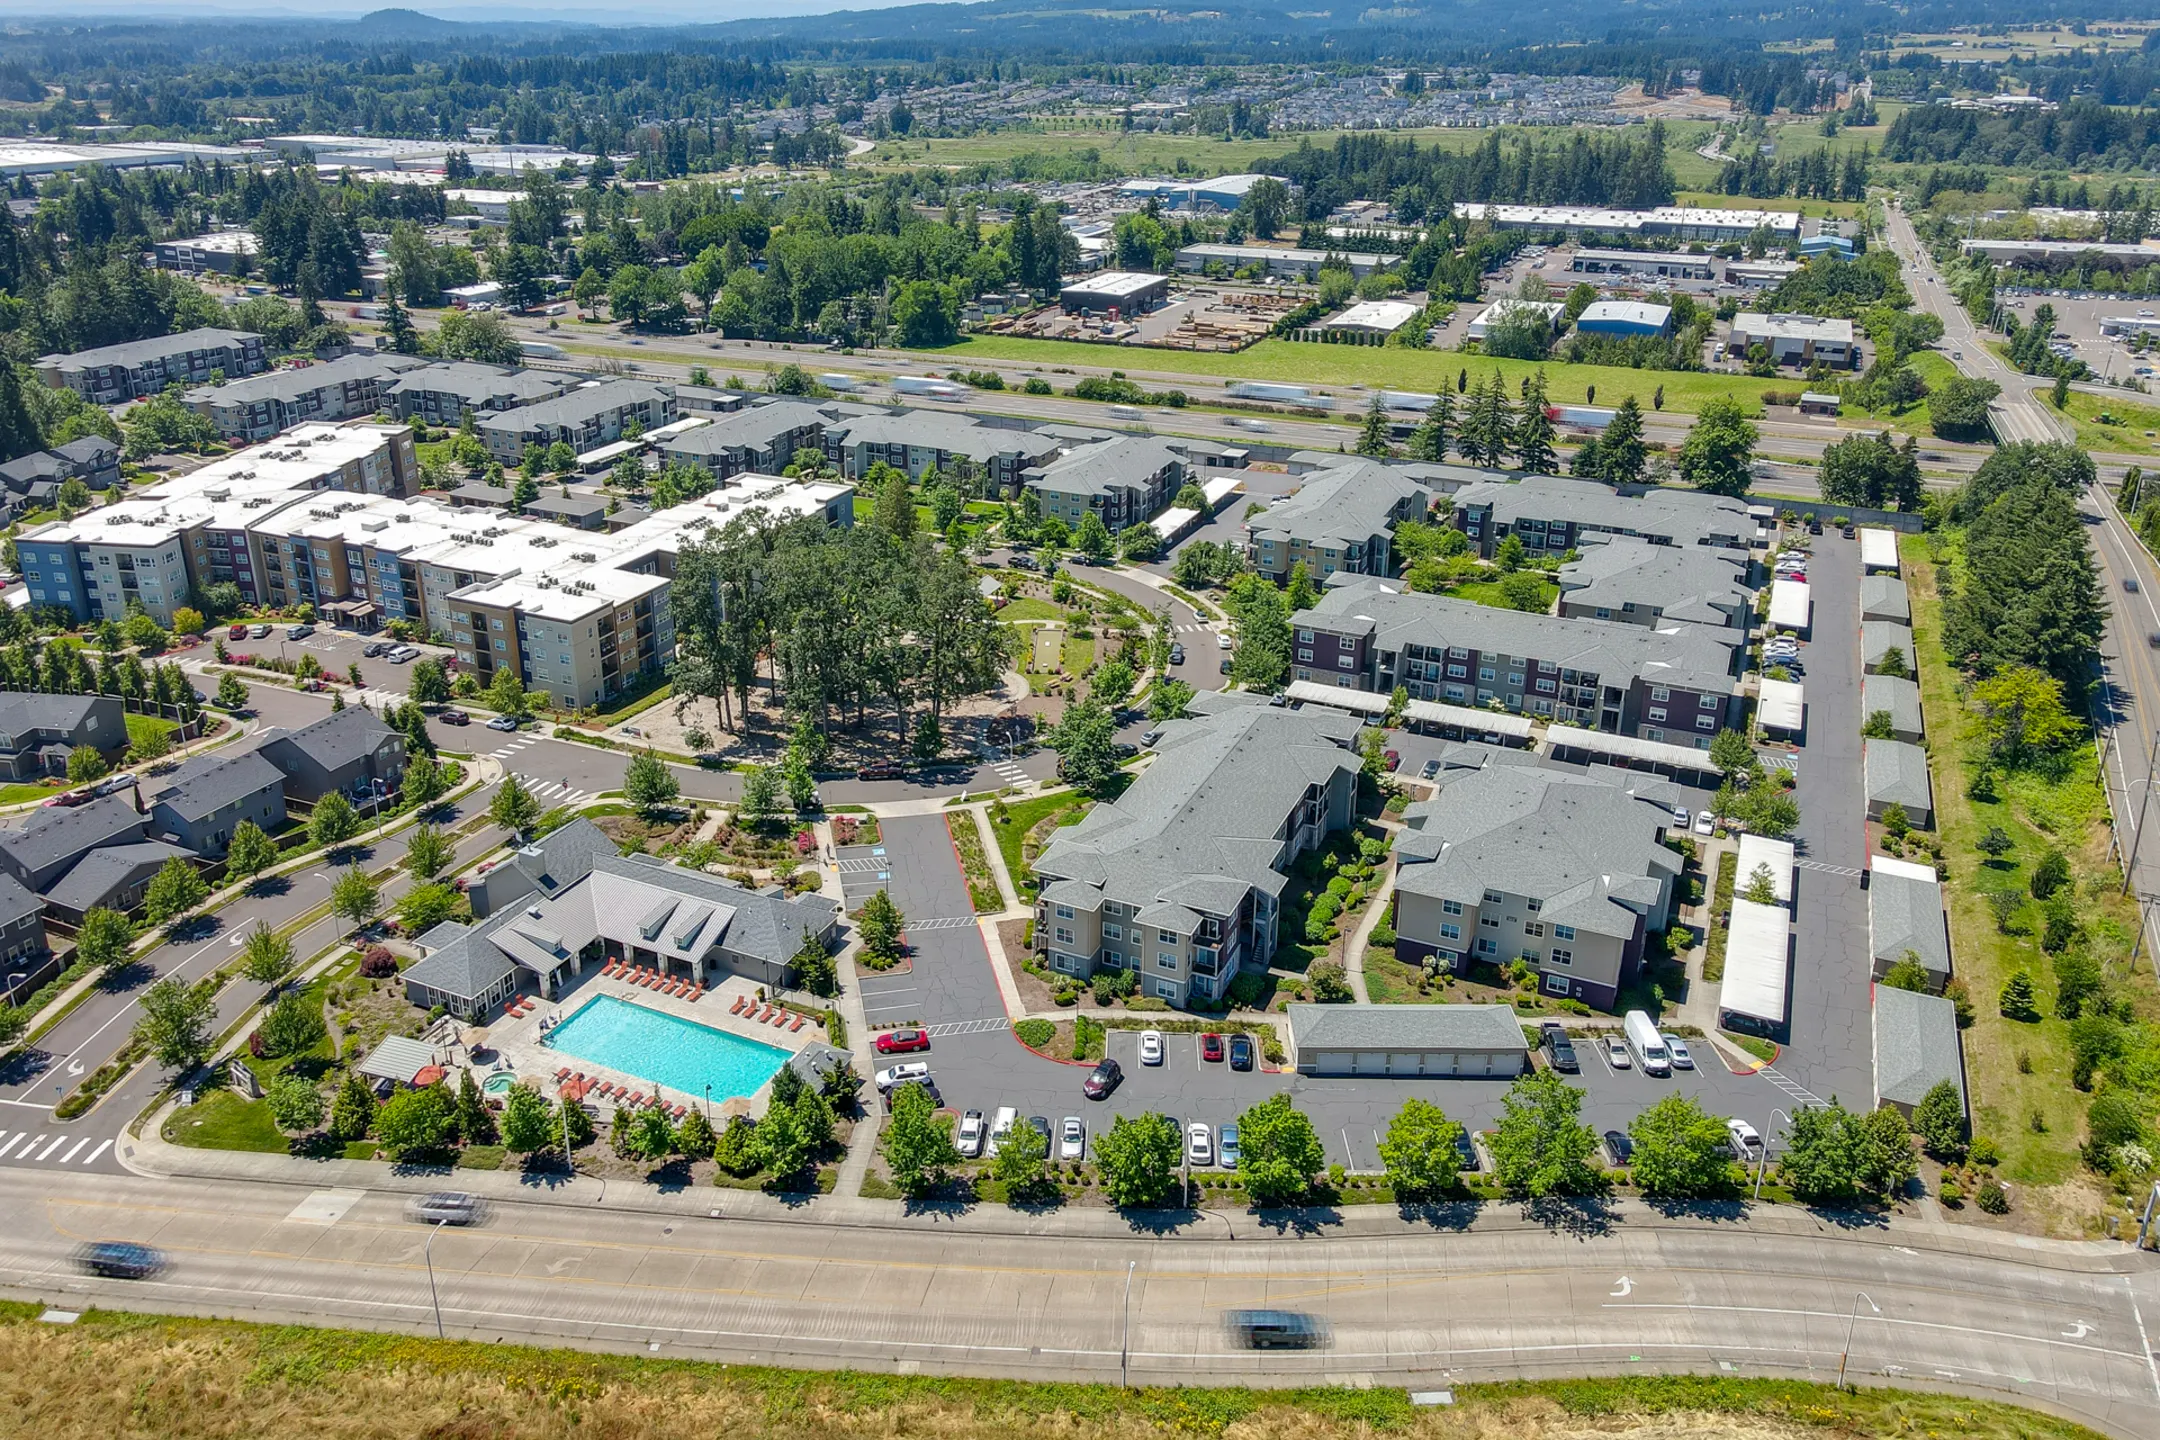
[51, 834]
[135, 352]
[89, 450]
[479, 386]
[15, 900]
[209, 783]
[1882, 597]
[102, 873]
[1405, 1027]
[1907, 914]
[563, 857]
[753, 429]
[938, 430]
[290, 384]
[337, 739]
[1696, 584]
[1897, 773]
[1344, 505]
[1129, 462]
[23, 711]
[1878, 636]
[576, 407]
[1916, 1045]
[575, 505]
[1679, 517]
[1899, 696]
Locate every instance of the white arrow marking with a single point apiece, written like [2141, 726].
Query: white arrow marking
[237, 939]
[76, 1068]
[2077, 1331]
[1902, 1250]
[1625, 1287]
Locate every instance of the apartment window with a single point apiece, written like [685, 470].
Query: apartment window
[1304, 657]
[1166, 990]
[1344, 662]
[1558, 985]
[1487, 947]
[1492, 897]
[1304, 637]
[1563, 957]
[1490, 922]
[1485, 672]
[1165, 960]
[500, 645]
[1451, 907]
[1064, 936]
[1706, 701]
[1456, 652]
[1533, 930]
[1515, 679]
[1545, 687]
[1064, 912]
[1706, 722]
[1451, 932]
[1653, 734]
[495, 624]
[1660, 692]
[1165, 937]
[1112, 932]
[1563, 932]
[1657, 713]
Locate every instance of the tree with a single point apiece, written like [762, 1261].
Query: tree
[1540, 1147]
[893, 509]
[1167, 701]
[814, 966]
[1373, 439]
[761, 793]
[1429, 442]
[85, 764]
[918, 1145]
[295, 1104]
[1084, 740]
[1958, 408]
[1300, 593]
[1419, 1151]
[423, 907]
[694, 1137]
[398, 331]
[333, 822]
[178, 1022]
[1139, 1159]
[1995, 844]
[292, 1026]
[1681, 1151]
[106, 940]
[2050, 874]
[1510, 554]
[1018, 1164]
[1534, 447]
[506, 694]
[176, 889]
[648, 783]
[1939, 1121]
[428, 852]
[231, 693]
[429, 683]
[266, 957]
[1834, 1156]
[1761, 887]
[514, 808]
[879, 927]
[423, 783]
[352, 1113]
[2022, 713]
[1719, 450]
[1261, 660]
[1621, 452]
[1093, 538]
[416, 1123]
[1279, 1151]
[355, 896]
[652, 1134]
[528, 1123]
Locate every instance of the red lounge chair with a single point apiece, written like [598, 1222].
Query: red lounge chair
[699, 993]
[736, 1008]
[780, 1017]
[562, 1074]
[798, 1024]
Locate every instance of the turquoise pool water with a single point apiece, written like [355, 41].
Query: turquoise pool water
[498, 1084]
[680, 1054]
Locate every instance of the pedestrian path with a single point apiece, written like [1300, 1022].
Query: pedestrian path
[554, 790]
[1010, 772]
[377, 700]
[985, 1026]
[41, 1147]
[511, 747]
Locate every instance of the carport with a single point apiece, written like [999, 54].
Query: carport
[1774, 855]
[1782, 708]
[1792, 606]
[1758, 969]
[1878, 549]
[1430, 1041]
[1602, 747]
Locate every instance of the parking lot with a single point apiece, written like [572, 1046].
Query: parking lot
[2077, 321]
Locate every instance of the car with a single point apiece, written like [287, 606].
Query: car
[1681, 817]
[1211, 1048]
[114, 784]
[1466, 1151]
[259, 632]
[454, 716]
[1023, 562]
[1429, 769]
[71, 798]
[1681, 1057]
[1151, 1047]
[1102, 1079]
[1124, 750]
[1616, 1053]
[374, 648]
[1559, 1050]
[1847, 532]
[902, 1042]
[1276, 1329]
[402, 655]
[1241, 1052]
[503, 722]
[968, 1138]
[1226, 1145]
[1619, 1149]
[237, 632]
[299, 632]
[1199, 1144]
[1001, 1127]
[1177, 654]
[1223, 640]
[1072, 1138]
[1746, 1144]
[446, 1207]
[910, 1070]
[1040, 1124]
[2153, 639]
[882, 770]
[1394, 760]
[1705, 822]
[924, 1083]
[1814, 527]
[2131, 584]
[1223, 669]
[119, 1260]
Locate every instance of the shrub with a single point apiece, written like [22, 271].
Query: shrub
[378, 963]
[1992, 1197]
[1950, 1193]
[1982, 1151]
[1035, 1034]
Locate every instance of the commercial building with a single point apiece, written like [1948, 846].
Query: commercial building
[2057, 254]
[1373, 319]
[1123, 292]
[1552, 516]
[592, 415]
[1797, 340]
[1917, 1047]
[1125, 481]
[1673, 684]
[34, 158]
[915, 441]
[1568, 874]
[1760, 274]
[1640, 582]
[368, 153]
[1181, 879]
[1408, 1041]
[1625, 318]
[1905, 919]
[1281, 263]
[444, 394]
[762, 439]
[113, 373]
[1223, 193]
[1896, 773]
[1483, 322]
[1668, 222]
[1642, 264]
[1341, 522]
[350, 387]
[37, 731]
[225, 252]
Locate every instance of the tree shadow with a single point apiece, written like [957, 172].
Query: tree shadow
[1302, 1220]
[194, 927]
[1851, 1217]
[1725, 1209]
[122, 978]
[1447, 1215]
[671, 1176]
[316, 1145]
[544, 1170]
[1586, 1217]
[949, 1201]
[436, 1164]
[263, 887]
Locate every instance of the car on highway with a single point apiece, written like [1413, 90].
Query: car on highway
[1102, 1079]
[2130, 584]
[1559, 1050]
[446, 1207]
[1678, 1052]
[1199, 1144]
[1072, 1138]
[1241, 1052]
[1746, 1144]
[503, 722]
[119, 1260]
[968, 1138]
[1226, 1145]
[454, 716]
[1211, 1048]
[882, 770]
[259, 632]
[1619, 1149]
[910, 1070]
[299, 632]
[902, 1042]
[1151, 1047]
[1616, 1053]
[1276, 1329]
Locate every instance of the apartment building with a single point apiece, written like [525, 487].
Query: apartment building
[1126, 481]
[592, 415]
[917, 441]
[1566, 873]
[1181, 879]
[113, 373]
[760, 440]
[1632, 580]
[1676, 683]
[1552, 516]
[1341, 522]
[445, 394]
[351, 387]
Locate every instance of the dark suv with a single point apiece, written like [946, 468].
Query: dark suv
[119, 1260]
[1559, 1051]
[1102, 1079]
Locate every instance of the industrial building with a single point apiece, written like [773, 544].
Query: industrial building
[1499, 310]
[1282, 264]
[1797, 340]
[1669, 222]
[1626, 318]
[1223, 193]
[1373, 319]
[1645, 264]
[227, 252]
[1114, 292]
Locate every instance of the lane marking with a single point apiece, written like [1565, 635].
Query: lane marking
[1885, 1320]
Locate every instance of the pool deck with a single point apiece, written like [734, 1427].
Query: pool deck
[519, 1041]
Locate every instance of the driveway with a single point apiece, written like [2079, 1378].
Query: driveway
[948, 982]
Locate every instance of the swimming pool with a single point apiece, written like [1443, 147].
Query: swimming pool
[498, 1084]
[680, 1054]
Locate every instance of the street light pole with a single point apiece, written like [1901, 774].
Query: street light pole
[1124, 1354]
[1762, 1161]
[428, 1251]
[1858, 1296]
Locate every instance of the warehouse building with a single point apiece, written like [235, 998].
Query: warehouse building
[1625, 318]
[228, 252]
[1645, 264]
[1224, 193]
[1114, 292]
[1500, 310]
[1373, 319]
[1668, 222]
[1797, 340]
[1282, 264]
[1422, 1041]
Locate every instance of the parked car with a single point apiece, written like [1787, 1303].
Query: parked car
[882, 770]
[446, 1207]
[1223, 640]
[1002, 1126]
[1394, 760]
[910, 1070]
[1276, 1329]
[454, 716]
[902, 1042]
[1211, 1048]
[1177, 654]
[1619, 1149]
[299, 632]
[1040, 1124]
[1747, 1145]
[1072, 1138]
[1847, 532]
[1199, 1144]
[1223, 669]
[71, 798]
[1151, 1047]
[1429, 769]
[259, 632]
[1466, 1152]
[1241, 1052]
[968, 1138]
[1023, 562]
[1616, 1053]
[1681, 817]
[119, 1260]
[1102, 1079]
[237, 632]
[401, 655]
[925, 1083]
[503, 722]
[1678, 1052]
[1559, 1050]
[374, 648]
[1705, 823]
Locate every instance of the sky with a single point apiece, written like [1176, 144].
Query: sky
[618, 13]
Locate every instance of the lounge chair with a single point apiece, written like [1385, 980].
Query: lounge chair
[699, 992]
[562, 1074]
[736, 1008]
[797, 1025]
[780, 1018]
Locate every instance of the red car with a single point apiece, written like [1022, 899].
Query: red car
[1211, 1048]
[883, 770]
[237, 632]
[902, 1042]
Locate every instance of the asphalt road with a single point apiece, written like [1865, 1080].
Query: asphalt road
[1465, 1299]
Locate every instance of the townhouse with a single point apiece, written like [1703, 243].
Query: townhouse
[445, 394]
[1676, 684]
[38, 731]
[594, 414]
[921, 440]
[1125, 480]
[113, 373]
[1552, 516]
[1632, 580]
[762, 439]
[33, 481]
[350, 387]
[1341, 522]
[1181, 879]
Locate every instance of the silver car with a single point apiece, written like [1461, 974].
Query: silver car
[1072, 1138]
[1199, 1144]
[968, 1139]
[446, 1207]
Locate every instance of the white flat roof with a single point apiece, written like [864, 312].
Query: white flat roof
[1388, 315]
[1629, 747]
[1777, 854]
[1757, 961]
[1758, 326]
[1357, 702]
[1781, 705]
[1116, 282]
[1791, 603]
[1492, 722]
[1878, 548]
[1906, 868]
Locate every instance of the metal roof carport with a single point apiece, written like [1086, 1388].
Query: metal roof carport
[1792, 605]
[1782, 706]
[1878, 549]
[1777, 854]
[1758, 967]
[1471, 722]
[1564, 742]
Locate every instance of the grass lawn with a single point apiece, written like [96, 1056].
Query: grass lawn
[1487, 592]
[1341, 366]
[146, 732]
[1712, 200]
[2132, 427]
[222, 1120]
[1020, 818]
[16, 794]
[1027, 607]
[2039, 813]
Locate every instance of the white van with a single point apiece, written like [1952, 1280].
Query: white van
[1002, 1126]
[1648, 1046]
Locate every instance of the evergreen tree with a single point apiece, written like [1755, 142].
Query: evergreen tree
[1434, 433]
[398, 331]
[1621, 454]
[1533, 432]
[1373, 440]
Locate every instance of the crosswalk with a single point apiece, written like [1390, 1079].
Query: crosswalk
[40, 1147]
[376, 700]
[944, 922]
[1010, 772]
[968, 1027]
[1848, 872]
[1791, 1086]
[512, 746]
[554, 792]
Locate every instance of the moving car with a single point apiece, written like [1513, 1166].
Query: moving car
[2130, 584]
[1616, 1053]
[1226, 1146]
[119, 1260]
[1241, 1052]
[902, 1042]
[1677, 1051]
[299, 632]
[882, 770]
[445, 1207]
[911, 1070]
[1072, 1138]
[1276, 1329]
[503, 722]
[1211, 1048]
[1559, 1050]
[1151, 1047]
[1102, 1079]
[1746, 1143]
[1199, 1144]
[1177, 654]
[1619, 1149]
[968, 1139]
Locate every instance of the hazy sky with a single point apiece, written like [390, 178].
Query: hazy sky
[612, 12]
